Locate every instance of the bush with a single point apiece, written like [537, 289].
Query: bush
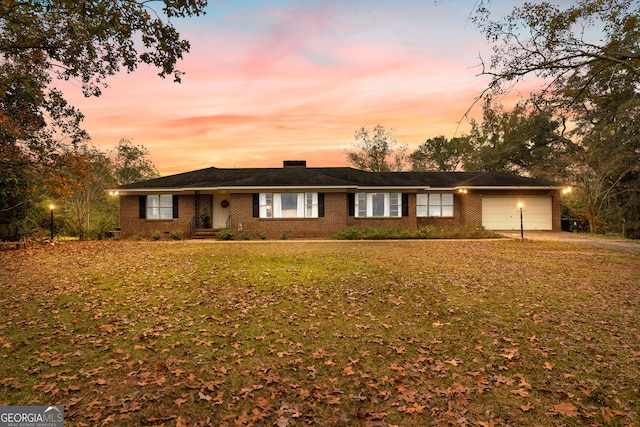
[176, 235]
[286, 235]
[632, 231]
[426, 232]
[243, 235]
[226, 234]
[157, 235]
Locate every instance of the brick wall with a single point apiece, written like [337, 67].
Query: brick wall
[467, 210]
[131, 225]
[409, 222]
[334, 220]
[471, 204]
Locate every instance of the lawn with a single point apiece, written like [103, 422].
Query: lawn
[411, 333]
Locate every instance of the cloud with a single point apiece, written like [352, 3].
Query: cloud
[274, 80]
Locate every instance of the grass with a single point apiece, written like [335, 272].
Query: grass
[407, 333]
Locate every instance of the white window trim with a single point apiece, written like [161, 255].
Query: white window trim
[159, 206]
[271, 205]
[367, 209]
[424, 201]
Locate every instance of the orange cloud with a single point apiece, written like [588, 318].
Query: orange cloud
[295, 81]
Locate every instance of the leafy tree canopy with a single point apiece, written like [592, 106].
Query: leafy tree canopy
[131, 163]
[544, 40]
[376, 150]
[85, 41]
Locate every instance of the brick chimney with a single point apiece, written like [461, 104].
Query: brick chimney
[294, 164]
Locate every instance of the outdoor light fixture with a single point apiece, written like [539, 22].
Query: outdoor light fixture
[521, 205]
[462, 190]
[567, 190]
[51, 208]
[113, 193]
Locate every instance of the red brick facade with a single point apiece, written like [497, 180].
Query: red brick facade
[467, 211]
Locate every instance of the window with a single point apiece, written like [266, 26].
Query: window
[378, 204]
[160, 206]
[289, 205]
[434, 204]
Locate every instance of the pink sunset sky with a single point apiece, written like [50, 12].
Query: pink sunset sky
[273, 80]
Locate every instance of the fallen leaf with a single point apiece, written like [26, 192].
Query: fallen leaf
[566, 409]
[527, 407]
[348, 371]
[418, 409]
[521, 392]
[203, 396]
[509, 353]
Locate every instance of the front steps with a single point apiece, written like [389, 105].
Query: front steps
[205, 233]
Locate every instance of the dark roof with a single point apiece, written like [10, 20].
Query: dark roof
[330, 177]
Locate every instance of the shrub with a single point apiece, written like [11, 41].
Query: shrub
[176, 235]
[426, 232]
[286, 235]
[226, 234]
[157, 235]
[243, 235]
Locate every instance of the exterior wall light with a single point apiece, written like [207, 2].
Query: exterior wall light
[114, 193]
[462, 190]
[567, 190]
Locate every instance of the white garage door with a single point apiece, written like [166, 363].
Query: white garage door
[503, 213]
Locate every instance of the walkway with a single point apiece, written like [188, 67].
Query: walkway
[584, 239]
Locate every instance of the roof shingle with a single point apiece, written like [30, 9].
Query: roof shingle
[330, 178]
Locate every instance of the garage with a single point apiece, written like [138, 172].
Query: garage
[503, 213]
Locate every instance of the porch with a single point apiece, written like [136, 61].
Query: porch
[212, 214]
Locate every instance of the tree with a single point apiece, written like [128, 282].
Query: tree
[87, 41]
[377, 150]
[583, 40]
[607, 164]
[526, 140]
[18, 182]
[588, 57]
[441, 154]
[131, 163]
[43, 40]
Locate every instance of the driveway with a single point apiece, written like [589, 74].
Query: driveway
[582, 239]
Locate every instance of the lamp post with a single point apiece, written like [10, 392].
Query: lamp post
[521, 205]
[51, 207]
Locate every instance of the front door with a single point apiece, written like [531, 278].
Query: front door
[221, 210]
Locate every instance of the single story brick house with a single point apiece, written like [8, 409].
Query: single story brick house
[316, 202]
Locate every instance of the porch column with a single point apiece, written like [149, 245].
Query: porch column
[197, 209]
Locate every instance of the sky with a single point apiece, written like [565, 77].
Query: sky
[268, 81]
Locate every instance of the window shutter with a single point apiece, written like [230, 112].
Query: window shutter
[175, 205]
[351, 200]
[256, 205]
[142, 202]
[320, 205]
[405, 204]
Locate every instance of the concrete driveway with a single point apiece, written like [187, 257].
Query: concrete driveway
[583, 239]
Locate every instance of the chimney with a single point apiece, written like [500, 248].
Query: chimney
[294, 164]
